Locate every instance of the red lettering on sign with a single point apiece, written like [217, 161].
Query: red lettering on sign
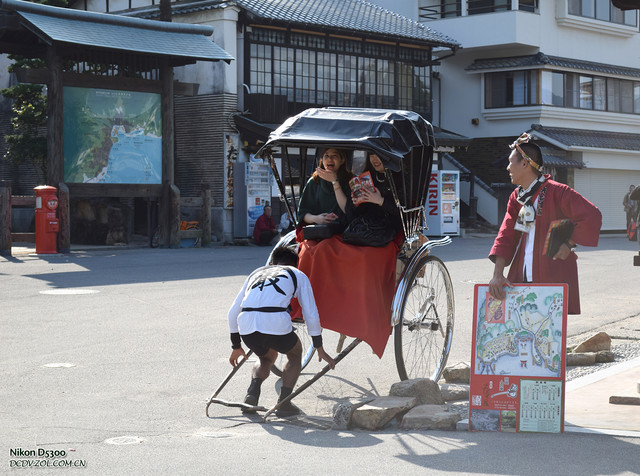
[433, 195]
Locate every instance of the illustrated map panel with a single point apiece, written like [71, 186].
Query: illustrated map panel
[518, 341]
[112, 136]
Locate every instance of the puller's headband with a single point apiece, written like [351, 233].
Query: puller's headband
[524, 139]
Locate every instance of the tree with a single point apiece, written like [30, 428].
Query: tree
[28, 143]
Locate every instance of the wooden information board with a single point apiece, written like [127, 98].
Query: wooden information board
[518, 359]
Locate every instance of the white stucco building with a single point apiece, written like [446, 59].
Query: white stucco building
[568, 71]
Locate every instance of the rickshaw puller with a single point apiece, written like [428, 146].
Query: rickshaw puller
[260, 317]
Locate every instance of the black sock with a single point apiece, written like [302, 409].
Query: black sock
[254, 388]
[284, 393]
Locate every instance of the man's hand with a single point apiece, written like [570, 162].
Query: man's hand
[498, 282]
[496, 286]
[235, 356]
[563, 252]
[322, 355]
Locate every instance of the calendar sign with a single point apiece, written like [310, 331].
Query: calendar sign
[518, 359]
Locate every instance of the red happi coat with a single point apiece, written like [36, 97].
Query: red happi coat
[555, 201]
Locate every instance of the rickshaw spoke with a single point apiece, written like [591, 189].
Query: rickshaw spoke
[427, 307]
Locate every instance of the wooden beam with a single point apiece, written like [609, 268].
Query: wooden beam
[64, 219]
[5, 221]
[55, 150]
[23, 201]
[206, 214]
[115, 190]
[23, 49]
[43, 76]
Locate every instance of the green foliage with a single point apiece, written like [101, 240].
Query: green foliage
[27, 144]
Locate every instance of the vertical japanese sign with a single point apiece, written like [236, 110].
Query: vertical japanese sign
[518, 359]
[231, 142]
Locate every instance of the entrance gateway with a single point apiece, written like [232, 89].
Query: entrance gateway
[121, 62]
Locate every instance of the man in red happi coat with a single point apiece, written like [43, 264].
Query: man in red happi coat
[532, 207]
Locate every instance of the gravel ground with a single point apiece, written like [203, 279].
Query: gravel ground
[623, 350]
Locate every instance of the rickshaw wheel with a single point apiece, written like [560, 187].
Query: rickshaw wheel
[424, 332]
[298, 324]
[300, 328]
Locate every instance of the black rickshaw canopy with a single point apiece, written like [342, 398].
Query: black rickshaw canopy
[391, 134]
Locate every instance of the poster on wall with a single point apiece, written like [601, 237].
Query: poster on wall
[518, 359]
[230, 158]
[112, 136]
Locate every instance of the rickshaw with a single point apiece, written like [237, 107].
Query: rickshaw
[422, 311]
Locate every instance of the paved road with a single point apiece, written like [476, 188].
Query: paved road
[102, 345]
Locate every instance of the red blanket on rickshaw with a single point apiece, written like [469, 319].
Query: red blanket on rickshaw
[353, 287]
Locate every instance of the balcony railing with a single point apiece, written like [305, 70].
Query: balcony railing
[457, 8]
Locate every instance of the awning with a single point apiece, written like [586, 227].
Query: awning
[113, 32]
[482, 65]
[445, 138]
[551, 157]
[585, 139]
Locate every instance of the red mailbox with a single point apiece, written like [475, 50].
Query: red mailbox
[46, 220]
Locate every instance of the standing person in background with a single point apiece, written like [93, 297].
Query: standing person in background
[533, 205]
[265, 229]
[630, 205]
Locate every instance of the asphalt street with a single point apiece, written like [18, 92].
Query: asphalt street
[109, 355]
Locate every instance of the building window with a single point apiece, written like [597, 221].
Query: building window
[326, 71]
[603, 10]
[260, 69]
[511, 88]
[590, 92]
[283, 77]
[454, 8]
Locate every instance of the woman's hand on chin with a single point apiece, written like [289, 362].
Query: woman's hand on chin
[327, 175]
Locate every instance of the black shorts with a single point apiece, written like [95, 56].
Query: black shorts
[260, 343]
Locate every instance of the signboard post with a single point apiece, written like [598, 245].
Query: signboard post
[518, 359]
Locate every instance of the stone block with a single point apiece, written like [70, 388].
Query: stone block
[454, 391]
[604, 356]
[463, 425]
[376, 414]
[581, 359]
[624, 400]
[458, 373]
[600, 341]
[425, 390]
[342, 413]
[430, 417]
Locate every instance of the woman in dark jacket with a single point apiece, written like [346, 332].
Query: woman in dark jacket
[325, 196]
[377, 203]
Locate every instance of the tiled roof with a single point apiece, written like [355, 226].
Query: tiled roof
[553, 157]
[345, 15]
[541, 59]
[104, 31]
[583, 138]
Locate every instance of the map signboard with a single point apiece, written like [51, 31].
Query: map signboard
[518, 359]
[112, 136]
